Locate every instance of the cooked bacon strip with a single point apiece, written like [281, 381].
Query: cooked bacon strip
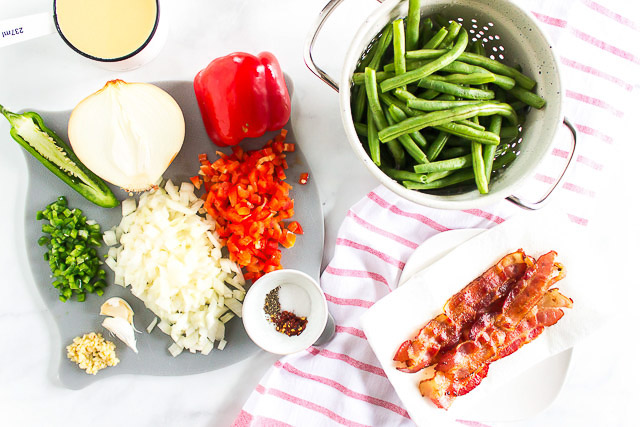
[529, 289]
[460, 312]
[461, 369]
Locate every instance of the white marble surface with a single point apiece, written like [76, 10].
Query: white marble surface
[45, 74]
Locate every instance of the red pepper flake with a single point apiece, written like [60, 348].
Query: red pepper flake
[304, 178]
[289, 324]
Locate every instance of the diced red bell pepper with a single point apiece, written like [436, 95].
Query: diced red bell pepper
[241, 95]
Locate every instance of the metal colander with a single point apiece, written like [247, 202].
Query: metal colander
[510, 35]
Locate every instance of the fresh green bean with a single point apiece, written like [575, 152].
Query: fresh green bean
[478, 165]
[389, 100]
[404, 95]
[479, 60]
[451, 152]
[422, 72]
[427, 31]
[430, 105]
[361, 128]
[436, 39]
[437, 145]
[479, 168]
[372, 138]
[471, 124]
[434, 176]
[458, 176]
[455, 90]
[437, 118]
[399, 115]
[371, 88]
[358, 78]
[428, 94]
[444, 165]
[402, 175]
[490, 150]
[410, 147]
[413, 24]
[502, 81]
[478, 48]
[445, 97]
[470, 133]
[381, 48]
[452, 32]
[359, 103]
[467, 79]
[509, 133]
[527, 97]
[379, 118]
[399, 61]
[518, 105]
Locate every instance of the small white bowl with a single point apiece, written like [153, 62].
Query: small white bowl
[300, 294]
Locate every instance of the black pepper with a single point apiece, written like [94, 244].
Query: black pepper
[272, 303]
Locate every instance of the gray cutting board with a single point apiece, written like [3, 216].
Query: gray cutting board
[77, 318]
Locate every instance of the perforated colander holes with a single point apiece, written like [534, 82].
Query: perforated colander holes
[491, 42]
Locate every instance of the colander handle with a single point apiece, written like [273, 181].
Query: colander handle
[311, 40]
[540, 203]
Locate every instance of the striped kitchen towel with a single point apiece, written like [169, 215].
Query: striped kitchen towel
[342, 383]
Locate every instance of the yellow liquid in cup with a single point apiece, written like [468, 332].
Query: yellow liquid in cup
[106, 29]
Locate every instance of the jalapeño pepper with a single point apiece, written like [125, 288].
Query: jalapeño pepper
[28, 130]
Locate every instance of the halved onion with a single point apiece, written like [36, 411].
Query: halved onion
[127, 133]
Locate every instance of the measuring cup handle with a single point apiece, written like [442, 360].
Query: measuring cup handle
[23, 28]
[311, 39]
[538, 204]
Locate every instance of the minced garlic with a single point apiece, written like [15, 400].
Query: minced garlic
[92, 352]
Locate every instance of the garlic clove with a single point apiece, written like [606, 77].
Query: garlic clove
[117, 307]
[121, 329]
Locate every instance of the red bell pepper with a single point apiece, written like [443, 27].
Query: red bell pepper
[242, 96]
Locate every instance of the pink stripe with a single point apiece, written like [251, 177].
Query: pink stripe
[611, 14]
[260, 389]
[591, 163]
[580, 159]
[590, 70]
[347, 359]
[593, 101]
[560, 153]
[352, 331]
[245, 419]
[594, 132]
[350, 302]
[394, 209]
[485, 215]
[344, 390]
[557, 22]
[567, 186]
[380, 231]
[577, 189]
[357, 273]
[313, 406]
[578, 220]
[605, 46]
[544, 178]
[386, 258]
[472, 423]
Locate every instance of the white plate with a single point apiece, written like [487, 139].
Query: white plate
[536, 388]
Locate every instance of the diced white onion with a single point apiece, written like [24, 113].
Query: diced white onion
[152, 324]
[172, 260]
